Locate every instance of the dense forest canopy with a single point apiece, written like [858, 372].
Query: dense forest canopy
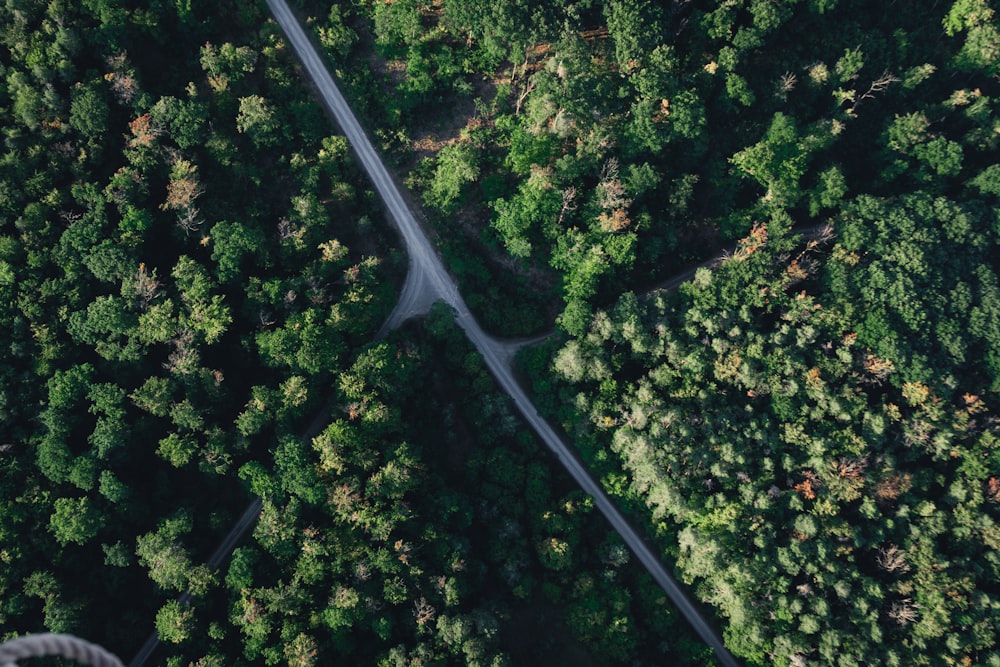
[809, 424]
[192, 269]
[184, 269]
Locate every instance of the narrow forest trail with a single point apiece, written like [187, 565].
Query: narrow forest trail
[428, 281]
[246, 521]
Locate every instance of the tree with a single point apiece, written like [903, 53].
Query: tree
[981, 50]
[110, 326]
[457, 164]
[74, 520]
[296, 470]
[28, 105]
[89, 111]
[183, 188]
[397, 23]
[336, 36]
[184, 120]
[257, 118]
[60, 615]
[232, 242]
[227, 63]
[111, 487]
[177, 450]
[635, 28]
[778, 162]
[301, 651]
[532, 205]
[154, 396]
[161, 551]
[174, 622]
[206, 315]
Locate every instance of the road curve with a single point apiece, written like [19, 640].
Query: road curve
[429, 281]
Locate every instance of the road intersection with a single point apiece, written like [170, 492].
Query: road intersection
[428, 281]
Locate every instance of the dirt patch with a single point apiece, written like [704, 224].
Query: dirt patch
[432, 132]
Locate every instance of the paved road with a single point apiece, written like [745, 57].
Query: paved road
[236, 533]
[428, 281]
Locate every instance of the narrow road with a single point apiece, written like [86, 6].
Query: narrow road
[428, 281]
[245, 523]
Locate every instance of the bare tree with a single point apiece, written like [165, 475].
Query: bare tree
[891, 559]
[146, 286]
[903, 611]
[69, 217]
[851, 468]
[181, 193]
[362, 571]
[423, 612]
[612, 198]
[877, 86]
[189, 219]
[527, 86]
[785, 85]
[568, 197]
[289, 232]
[184, 358]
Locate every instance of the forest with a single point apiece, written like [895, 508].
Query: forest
[192, 271]
[193, 268]
[807, 425]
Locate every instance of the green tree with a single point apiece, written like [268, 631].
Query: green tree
[532, 205]
[258, 119]
[397, 23]
[635, 28]
[89, 111]
[110, 326]
[779, 161]
[981, 50]
[74, 520]
[162, 553]
[154, 396]
[336, 36]
[174, 622]
[59, 615]
[185, 120]
[176, 449]
[457, 165]
[227, 63]
[232, 242]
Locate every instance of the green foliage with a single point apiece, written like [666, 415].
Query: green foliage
[809, 427]
[456, 166]
[780, 160]
[336, 36]
[89, 112]
[176, 449]
[227, 64]
[790, 436]
[532, 205]
[231, 243]
[184, 119]
[174, 622]
[634, 27]
[74, 520]
[981, 49]
[169, 563]
[257, 119]
[129, 337]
